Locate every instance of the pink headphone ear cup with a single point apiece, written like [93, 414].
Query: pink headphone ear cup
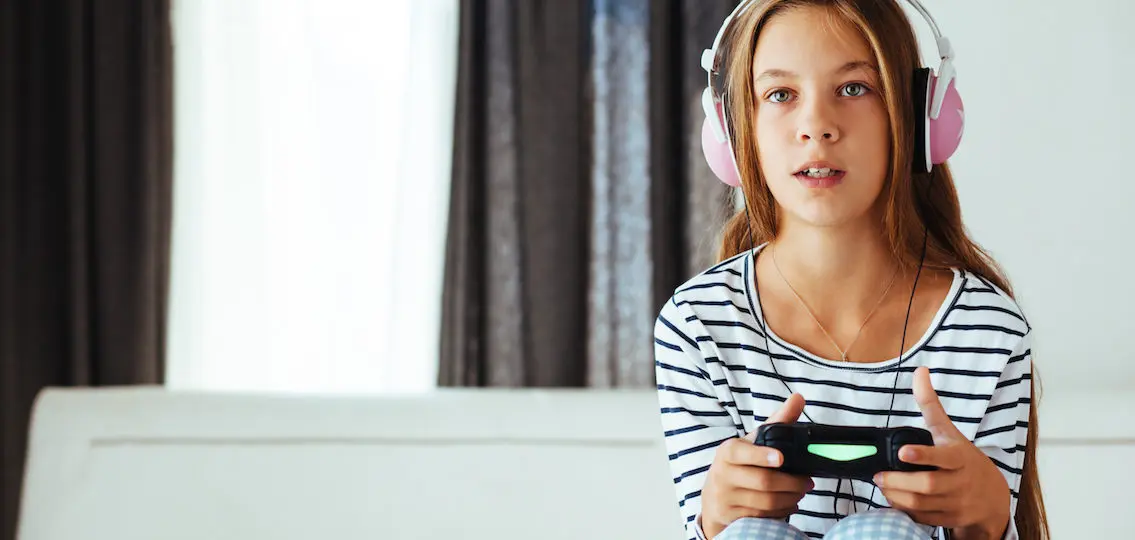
[946, 131]
[718, 155]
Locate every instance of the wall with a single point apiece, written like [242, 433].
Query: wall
[1041, 173]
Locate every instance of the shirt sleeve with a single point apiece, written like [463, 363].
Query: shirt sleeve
[695, 418]
[1004, 429]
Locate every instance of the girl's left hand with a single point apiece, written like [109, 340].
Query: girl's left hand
[967, 493]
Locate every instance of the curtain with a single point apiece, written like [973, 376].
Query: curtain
[85, 183]
[580, 198]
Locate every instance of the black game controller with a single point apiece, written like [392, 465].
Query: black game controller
[858, 453]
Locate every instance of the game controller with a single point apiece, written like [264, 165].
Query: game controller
[858, 453]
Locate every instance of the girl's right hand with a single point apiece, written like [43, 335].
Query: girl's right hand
[743, 481]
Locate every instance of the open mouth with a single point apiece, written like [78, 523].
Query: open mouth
[819, 172]
[820, 175]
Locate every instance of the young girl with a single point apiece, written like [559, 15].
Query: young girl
[847, 293]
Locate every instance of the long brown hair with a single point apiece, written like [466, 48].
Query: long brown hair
[912, 201]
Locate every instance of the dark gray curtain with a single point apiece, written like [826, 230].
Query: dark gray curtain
[580, 198]
[85, 187]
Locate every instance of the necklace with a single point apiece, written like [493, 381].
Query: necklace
[842, 352]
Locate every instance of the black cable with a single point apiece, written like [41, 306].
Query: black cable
[902, 344]
[772, 363]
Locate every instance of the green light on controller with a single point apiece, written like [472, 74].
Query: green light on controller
[842, 452]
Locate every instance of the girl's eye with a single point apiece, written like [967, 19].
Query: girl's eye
[853, 90]
[779, 96]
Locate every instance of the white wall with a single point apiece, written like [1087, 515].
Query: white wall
[1041, 170]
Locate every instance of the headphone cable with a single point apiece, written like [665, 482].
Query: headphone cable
[772, 363]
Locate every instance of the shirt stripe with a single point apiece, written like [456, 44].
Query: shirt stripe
[717, 380]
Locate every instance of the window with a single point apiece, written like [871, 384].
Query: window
[311, 191]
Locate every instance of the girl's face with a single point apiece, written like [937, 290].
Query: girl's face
[821, 125]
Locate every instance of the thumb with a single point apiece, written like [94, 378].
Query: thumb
[788, 413]
[937, 420]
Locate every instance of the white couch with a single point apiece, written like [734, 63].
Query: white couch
[149, 463]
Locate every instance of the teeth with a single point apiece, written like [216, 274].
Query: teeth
[818, 173]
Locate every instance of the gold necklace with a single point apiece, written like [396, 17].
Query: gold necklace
[842, 352]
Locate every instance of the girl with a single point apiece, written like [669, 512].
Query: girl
[847, 293]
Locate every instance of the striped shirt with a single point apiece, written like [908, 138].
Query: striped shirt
[717, 381]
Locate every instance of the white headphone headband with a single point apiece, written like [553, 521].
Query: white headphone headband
[710, 62]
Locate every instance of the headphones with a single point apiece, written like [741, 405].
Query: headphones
[939, 115]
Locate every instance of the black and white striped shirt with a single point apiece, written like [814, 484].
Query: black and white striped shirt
[716, 381]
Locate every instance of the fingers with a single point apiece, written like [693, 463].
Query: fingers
[947, 457]
[917, 502]
[764, 504]
[919, 482]
[937, 420]
[744, 452]
[734, 513]
[772, 481]
[789, 411]
[926, 509]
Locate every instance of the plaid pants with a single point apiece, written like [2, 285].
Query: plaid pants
[880, 524]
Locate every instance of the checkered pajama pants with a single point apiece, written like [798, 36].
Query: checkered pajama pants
[879, 524]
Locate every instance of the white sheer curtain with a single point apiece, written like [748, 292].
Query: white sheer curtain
[312, 172]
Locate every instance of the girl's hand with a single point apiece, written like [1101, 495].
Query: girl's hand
[743, 480]
[967, 494]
